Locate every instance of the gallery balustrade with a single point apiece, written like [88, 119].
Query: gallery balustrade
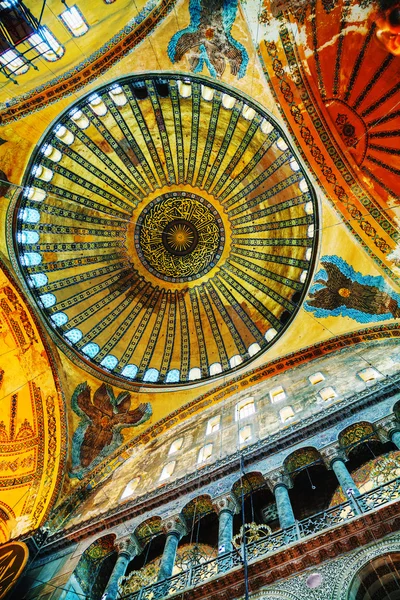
[202, 572]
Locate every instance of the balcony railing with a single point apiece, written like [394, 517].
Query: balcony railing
[332, 517]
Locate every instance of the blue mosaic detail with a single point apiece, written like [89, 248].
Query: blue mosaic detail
[340, 291]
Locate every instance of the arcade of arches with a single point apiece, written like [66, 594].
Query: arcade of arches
[199, 299]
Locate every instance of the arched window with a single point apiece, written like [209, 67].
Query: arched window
[29, 215]
[30, 259]
[129, 371]
[117, 94]
[215, 368]
[109, 362]
[74, 335]
[245, 408]
[74, 21]
[48, 300]
[176, 445]
[59, 319]
[277, 394]
[316, 378]
[270, 334]
[172, 376]
[254, 348]
[91, 349]
[327, 393]
[235, 360]
[151, 375]
[369, 375]
[194, 373]
[245, 434]
[286, 414]
[28, 237]
[39, 279]
[130, 488]
[205, 453]
[213, 425]
[167, 471]
[97, 105]
[64, 134]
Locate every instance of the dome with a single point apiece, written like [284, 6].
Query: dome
[167, 230]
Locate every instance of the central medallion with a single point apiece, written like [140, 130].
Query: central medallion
[179, 237]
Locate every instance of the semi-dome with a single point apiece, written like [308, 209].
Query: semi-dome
[167, 230]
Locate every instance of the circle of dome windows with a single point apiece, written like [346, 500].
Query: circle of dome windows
[29, 216]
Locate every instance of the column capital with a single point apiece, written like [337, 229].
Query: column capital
[129, 545]
[276, 478]
[175, 525]
[332, 453]
[226, 502]
[387, 427]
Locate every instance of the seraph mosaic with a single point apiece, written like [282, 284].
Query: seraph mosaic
[102, 419]
[339, 290]
[208, 40]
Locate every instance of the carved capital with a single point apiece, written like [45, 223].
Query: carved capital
[386, 427]
[175, 525]
[330, 453]
[129, 545]
[226, 502]
[277, 477]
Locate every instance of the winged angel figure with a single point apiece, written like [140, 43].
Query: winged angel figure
[208, 38]
[337, 292]
[102, 420]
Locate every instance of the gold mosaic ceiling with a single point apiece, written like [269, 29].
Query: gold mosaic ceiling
[167, 231]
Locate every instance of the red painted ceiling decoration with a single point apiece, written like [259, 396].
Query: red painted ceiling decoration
[335, 71]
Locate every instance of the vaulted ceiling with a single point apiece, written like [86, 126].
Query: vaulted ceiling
[193, 190]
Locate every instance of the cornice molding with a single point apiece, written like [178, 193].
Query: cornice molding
[239, 383]
[296, 433]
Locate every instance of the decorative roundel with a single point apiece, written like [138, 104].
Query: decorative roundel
[179, 237]
[166, 229]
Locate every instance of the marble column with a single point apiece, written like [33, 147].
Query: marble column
[344, 478]
[128, 548]
[394, 436]
[284, 506]
[226, 507]
[175, 529]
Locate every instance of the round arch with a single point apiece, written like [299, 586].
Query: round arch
[358, 561]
